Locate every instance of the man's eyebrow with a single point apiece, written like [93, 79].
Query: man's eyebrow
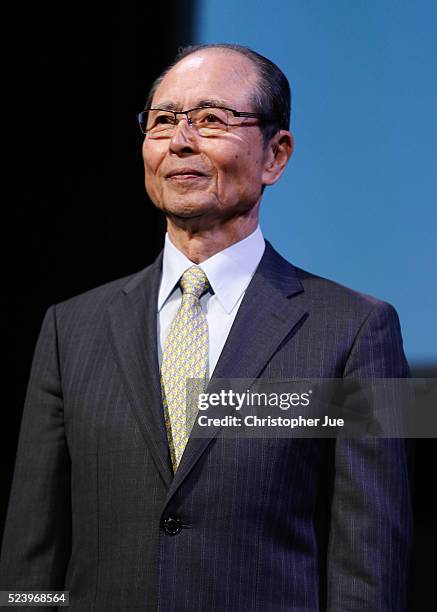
[213, 102]
[166, 106]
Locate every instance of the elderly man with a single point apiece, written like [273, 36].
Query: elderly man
[113, 499]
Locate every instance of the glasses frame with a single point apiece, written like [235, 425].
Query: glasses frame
[175, 113]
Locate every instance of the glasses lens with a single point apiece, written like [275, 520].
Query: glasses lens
[157, 122]
[210, 120]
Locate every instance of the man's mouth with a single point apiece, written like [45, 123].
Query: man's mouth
[185, 174]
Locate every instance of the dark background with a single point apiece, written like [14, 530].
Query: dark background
[78, 215]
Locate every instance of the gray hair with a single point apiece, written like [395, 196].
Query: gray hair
[271, 95]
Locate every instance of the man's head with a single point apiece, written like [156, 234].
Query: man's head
[204, 177]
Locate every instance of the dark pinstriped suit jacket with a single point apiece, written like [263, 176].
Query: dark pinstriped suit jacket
[93, 481]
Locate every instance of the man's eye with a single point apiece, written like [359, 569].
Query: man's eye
[210, 118]
[163, 119]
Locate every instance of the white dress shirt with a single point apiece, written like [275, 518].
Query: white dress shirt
[229, 273]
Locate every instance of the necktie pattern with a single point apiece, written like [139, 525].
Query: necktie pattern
[185, 356]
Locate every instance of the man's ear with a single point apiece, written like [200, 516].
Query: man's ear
[278, 152]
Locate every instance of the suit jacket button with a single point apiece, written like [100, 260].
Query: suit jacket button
[172, 525]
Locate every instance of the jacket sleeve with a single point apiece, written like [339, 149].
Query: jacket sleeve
[371, 517]
[37, 536]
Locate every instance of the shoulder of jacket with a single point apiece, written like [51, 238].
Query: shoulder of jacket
[328, 293]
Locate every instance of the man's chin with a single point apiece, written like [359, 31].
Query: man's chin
[184, 210]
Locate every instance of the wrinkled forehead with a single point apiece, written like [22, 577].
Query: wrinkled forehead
[209, 74]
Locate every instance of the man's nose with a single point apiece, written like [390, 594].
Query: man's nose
[184, 138]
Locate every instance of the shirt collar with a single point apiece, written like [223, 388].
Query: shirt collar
[229, 272]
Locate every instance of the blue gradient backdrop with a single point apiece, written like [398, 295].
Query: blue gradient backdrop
[358, 201]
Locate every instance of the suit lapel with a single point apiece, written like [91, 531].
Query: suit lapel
[132, 325]
[267, 315]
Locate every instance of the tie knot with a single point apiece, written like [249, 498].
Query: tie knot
[194, 281]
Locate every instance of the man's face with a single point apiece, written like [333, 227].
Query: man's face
[190, 176]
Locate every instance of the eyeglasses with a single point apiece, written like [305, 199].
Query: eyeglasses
[206, 120]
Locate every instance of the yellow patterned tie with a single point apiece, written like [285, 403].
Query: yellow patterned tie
[185, 356]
